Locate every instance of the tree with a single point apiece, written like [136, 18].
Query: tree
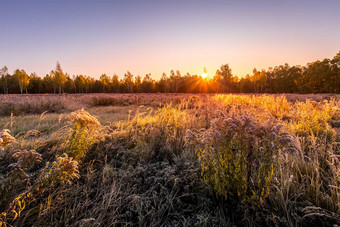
[115, 83]
[128, 81]
[163, 83]
[335, 76]
[22, 78]
[174, 80]
[80, 83]
[4, 78]
[138, 84]
[246, 85]
[224, 77]
[69, 86]
[35, 84]
[147, 84]
[105, 81]
[49, 85]
[59, 78]
[270, 76]
[318, 76]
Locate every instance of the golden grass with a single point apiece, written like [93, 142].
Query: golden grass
[262, 155]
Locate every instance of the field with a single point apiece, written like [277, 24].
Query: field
[170, 160]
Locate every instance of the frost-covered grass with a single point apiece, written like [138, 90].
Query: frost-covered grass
[173, 160]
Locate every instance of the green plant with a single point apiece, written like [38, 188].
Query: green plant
[237, 155]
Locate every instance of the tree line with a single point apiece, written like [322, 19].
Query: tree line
[316, 77]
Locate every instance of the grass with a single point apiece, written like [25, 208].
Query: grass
[171, 160]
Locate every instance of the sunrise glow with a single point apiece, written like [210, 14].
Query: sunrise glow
[112, 37]
[204, 74]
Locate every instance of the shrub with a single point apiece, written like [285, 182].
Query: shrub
[237, 155]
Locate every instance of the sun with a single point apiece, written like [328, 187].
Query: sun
[204, 74]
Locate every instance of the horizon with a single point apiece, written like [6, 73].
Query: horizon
[154, 37]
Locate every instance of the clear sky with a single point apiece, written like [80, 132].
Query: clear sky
[92, 37]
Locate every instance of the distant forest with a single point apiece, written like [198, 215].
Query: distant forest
[316, 77]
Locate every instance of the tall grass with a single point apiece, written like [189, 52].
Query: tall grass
[219, 160]
[238, 153]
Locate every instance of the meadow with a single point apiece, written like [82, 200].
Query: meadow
[170, 160]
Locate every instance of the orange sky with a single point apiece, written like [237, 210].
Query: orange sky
[92, 38]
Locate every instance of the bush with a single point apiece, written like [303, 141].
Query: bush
[237, 155]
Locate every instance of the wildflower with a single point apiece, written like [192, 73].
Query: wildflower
[83, 134]
[83, 118]
[26, 158]
[291, 178]
[6, 139]
[64, 169]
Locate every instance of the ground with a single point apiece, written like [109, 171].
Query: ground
[140, 164]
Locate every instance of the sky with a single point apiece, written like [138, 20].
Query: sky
[92, 37]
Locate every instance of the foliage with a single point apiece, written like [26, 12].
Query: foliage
[316, 77]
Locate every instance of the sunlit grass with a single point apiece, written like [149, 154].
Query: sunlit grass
[241, 155]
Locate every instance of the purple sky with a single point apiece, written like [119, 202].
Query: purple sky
[95, 37]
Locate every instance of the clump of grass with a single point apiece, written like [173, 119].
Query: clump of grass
[105, 101]
[25, 159]
[84, 129]
[157, 135]
[308, 178]
[63, 170]
[6, 139]
[30, 186]
[313, 118]
[237, 155]
[278, 106]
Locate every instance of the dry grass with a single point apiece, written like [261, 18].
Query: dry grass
[121, 163]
